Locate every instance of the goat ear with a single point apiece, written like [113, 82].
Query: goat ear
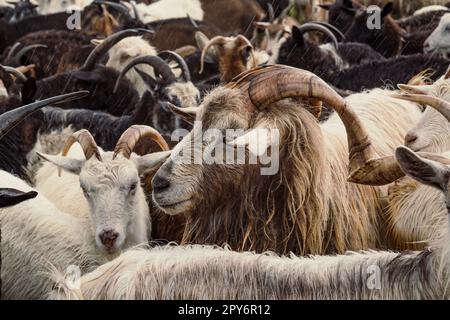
[257, 140]
[425, 171]
[10, 197]
[67, 164]
[151, 161]
[422, 89]
[87, 76]
[387, 9]
[297, 35]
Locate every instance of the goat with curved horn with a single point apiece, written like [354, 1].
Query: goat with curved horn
[317, 27]
[12, 50]
[87, 142]
[133, 135]
[10, 119]
[266, 85]
[97, 54]
[167, 54]
[439, 104]
[158, 64]
[16, 58]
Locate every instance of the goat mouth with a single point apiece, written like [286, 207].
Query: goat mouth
[165, 206]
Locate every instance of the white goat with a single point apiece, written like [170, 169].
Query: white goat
[432, 132]
[35, 235]
[199, 272]
[126, 50]
[439, 39]
[107, 192]
[168, 9]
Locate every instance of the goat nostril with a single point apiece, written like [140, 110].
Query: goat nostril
[160, 184]
[108, 238]
[410, 138]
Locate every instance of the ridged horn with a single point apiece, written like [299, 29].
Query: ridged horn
[268, 84]
[167, 54]
[133, 135]
[442, 106]
[99, 51]
[158, 64]
[27, 49]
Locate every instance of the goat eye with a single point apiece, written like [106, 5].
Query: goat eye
[133, 187]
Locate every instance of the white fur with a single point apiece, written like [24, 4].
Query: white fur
[126, 50]
[35, 236]
[168, 9]
[439, 39]
[430, 9]
[53, 6]
[107, 204]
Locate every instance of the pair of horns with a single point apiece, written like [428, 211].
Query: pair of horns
[125, 146]
[266, 85]
[13, 57]
[10, 119]
[159, 65]
[99, 51]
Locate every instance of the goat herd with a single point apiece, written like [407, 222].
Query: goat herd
[105, 105]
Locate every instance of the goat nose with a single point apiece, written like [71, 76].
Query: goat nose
[410, 138]
[160, 183]
[108, 238]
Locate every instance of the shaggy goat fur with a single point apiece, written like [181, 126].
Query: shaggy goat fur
[308, 207]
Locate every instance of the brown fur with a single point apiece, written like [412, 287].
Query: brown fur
[307, 208]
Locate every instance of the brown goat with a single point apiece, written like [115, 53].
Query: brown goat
[233, 54]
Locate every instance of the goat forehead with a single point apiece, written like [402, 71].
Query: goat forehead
[109, 172]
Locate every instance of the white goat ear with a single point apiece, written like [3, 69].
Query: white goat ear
[67, 164]
[257, 140]
[425, 171]
[151, 161]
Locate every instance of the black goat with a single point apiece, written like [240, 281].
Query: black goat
[97, 79]
[18, 132]
[299, 53]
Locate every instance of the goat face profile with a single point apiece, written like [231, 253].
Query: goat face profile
[111, 186]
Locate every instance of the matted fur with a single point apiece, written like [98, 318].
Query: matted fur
[200, 272]
[307, 207]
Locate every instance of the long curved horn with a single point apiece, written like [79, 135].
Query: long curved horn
[317, 27]
[218, 40]
[131, 137]
[19, 75]
[268, 84]
[100, 50]
[158, 64]
[10, 119]
[135, 10]
[87, 142]
[167, 54]
[442, 106]
[192, 21]
[26, 49]
[12, 50]
[332, 28]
